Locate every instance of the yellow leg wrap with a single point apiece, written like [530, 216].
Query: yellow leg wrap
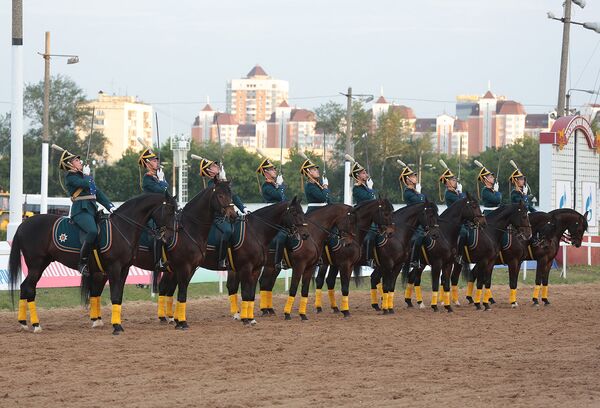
[545, 292]
[374, 297]
[33, 317]
[161, 306]
[264, 301]
[99, 308]
[93, 307]
[169, 305]
[303, 303]
[477, 298]
[270, 299]
[380, 289]
[434, 298]
[250, 309]
[513, 296]
[447, 298]
[418, 294]
[331, 294]
[442, 294]
[318, 300]
[116, 314]
[491, 295]
[233, 304]
[536, 292]
[408, 291]
[244, 310]
[454, 291]
[470, 286]
[177, 307]
[289, 304]
[345, 303]
[487, 295]
[182, 317]
[384, 301]
[390, 302]
[22, 314]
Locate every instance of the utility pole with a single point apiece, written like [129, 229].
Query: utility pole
[46, 131]
[564, 60]
[16, 122]
[349, 150]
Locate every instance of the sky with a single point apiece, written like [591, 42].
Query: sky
[421, 53]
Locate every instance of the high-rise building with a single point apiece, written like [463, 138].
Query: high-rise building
[122, 119]
[254, 98]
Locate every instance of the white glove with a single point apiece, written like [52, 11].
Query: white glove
[279, 180]
[112, 209]
[525, 189]
[160, 174]
[86, 170]
[496, 187]
[246, 211]
[459, 188]
[418, 188]
[325, 182]
[222, 174]
[369, 183]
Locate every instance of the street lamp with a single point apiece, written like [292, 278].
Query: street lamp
[564, 56]
[568, 96]
[72, 59]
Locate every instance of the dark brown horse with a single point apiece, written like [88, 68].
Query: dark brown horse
[441, 253]
[34, 240]
[348, 256]
[188, 249]
[548, 230]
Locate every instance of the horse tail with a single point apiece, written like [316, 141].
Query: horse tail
[404, 274]
[85, 286]
[357, 275]
[155, 278]
[466, 272]
[14, 266]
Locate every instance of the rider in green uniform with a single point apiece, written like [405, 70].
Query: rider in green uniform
[412, 195]
[317, 194]
[521, 190]
[273, 191]
[453, 194]
[154, 182]
[363, 191]
[84, 195]
[221, 227]
[491, 198]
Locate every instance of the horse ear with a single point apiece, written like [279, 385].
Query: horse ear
[299, 201]
[294, 200]
[585, 215]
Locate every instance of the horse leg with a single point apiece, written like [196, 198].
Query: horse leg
[435, 285]
[539, 274]
[28, 293]
[376, 288]
[418, 272]
[98, 282]
[233, 283]
[306, 277]
[345, 275]
[545, 277]
[319, 282]
[331, 277]
[266, 287]
[289, 304]
[410, 283]
[487, 279]
[455, 276]
[446, 271]
[166, 289]
[471, 283]
[183, 281]
[513, 280]
[246, 278]
[117, 285]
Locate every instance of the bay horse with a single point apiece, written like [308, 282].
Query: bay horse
[247, 258]
[128, 220]
[487, 246]
[187, 250]
[348, 256]
[548, 230]
[392, 256]
[441, 253]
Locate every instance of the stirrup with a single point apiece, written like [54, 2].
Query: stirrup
[222, 264]
[458, 259]
[371, 263]
[84, 270]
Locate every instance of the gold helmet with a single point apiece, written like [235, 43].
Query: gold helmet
[406, 171]
[484, 172]
[515, 175]
[65, 160]
[307, 165]
[447, 175]
[356, 169]
[265, 164]
[146, 155]
[204, 165]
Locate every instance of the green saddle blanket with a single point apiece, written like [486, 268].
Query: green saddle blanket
[235, 239]
[68, 237]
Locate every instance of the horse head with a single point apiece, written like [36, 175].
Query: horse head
[472, 210]
[165, 217]
[293, 218]
[221, 199]
[577, 228]
[428, 218]
[519, 218]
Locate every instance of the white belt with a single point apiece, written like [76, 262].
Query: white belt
[490, 208]
[317, 204]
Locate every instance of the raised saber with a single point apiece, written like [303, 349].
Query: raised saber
[443, 164]
[57, 148]
[90, 138]
[157, 136]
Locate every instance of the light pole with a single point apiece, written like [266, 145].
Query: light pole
[72, 59]
[568, 97]
[564, 56]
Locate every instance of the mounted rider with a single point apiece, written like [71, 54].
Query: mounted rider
[220, 227]
[361, 192]
[490, 197]
[154, 182]
[85, 196]
[317, 194]
[520, 192]
[453, 194]
[412, 195]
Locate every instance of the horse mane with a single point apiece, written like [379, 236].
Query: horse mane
[196, 198]
[561, 211]
[261, 211]
[501, 210]
[126, 206]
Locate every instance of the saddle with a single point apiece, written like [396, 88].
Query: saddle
[68, 237]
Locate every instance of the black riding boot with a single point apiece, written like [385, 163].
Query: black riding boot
[159, 265]
[279, 257]
[461, 246]
[414, 257]
[84, 256]
[222, 263]
[369, 253]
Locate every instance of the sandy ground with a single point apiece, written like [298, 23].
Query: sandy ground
[527, 357]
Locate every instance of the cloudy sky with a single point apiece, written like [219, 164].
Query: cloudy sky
[173, 54]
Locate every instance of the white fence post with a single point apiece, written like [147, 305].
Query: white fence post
[524, 270]
[564, 257]
[589, 251]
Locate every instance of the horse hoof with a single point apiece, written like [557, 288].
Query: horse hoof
[182, 326]
[245, 322]
[391, 311]
[236, 316]
[24, 327]
[319, 309]
[271, 311]
[546, 302]
[492, 301]
[117, 329]
[535, 302]
[335, 309]
[448, 308]
[346, 313]
[434, 308]
[376, 307]
[408, 302]
[457, 303]
[264, 312]
[470, 300]
[252, 322]
[170, 320]
[477, 306]
[303, 317]
[487, 307]
[385, 311]
[287, 316]
[97, 323]
[37, 328]
[163, 320]
[421, 305]
[514, 305]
